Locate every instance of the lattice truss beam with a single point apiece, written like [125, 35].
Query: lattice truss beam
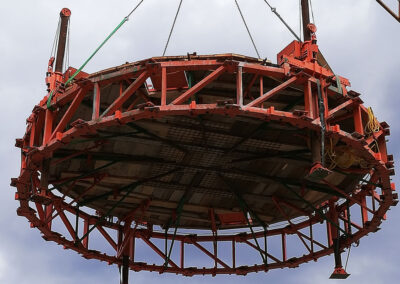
[346, 215]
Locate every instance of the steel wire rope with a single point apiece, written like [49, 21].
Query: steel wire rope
[348, 253]
[172, 28]
[247, 28]
[312, 12]
[273, 10]
[125, 19]
[55, 41]
[66, 63]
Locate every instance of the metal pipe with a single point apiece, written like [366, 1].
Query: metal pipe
[124, 270]
[305, 13]
[336, 251]
[62, 38]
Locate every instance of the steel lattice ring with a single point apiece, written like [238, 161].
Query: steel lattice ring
[35, 151]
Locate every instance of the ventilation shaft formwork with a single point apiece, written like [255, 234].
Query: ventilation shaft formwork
[211, 154]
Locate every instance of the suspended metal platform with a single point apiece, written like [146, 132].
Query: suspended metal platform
[217, 156]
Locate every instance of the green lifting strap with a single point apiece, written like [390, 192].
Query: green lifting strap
[125, 19]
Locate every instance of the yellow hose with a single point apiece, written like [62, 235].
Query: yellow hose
[341, 156]
[372, 124]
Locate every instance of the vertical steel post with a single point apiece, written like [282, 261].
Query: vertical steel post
[284, 253]
[124, 270]
[132, 248]
[336, 251]
[339, 272]
[62, 38]
[305, 14]
[85, 230]
[314, 139]
[33, 132]
[96, 101]
[308, 100]
[48, 126]
[234, 253]
[163, 86]
[239, 86]
[358, 123]
[182, 254]
[364, 212]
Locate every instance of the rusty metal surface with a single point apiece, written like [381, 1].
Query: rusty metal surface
[228, 162]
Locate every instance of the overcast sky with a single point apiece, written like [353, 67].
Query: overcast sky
[358, 38]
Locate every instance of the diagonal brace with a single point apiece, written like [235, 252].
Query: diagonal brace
[126, 94]
[272, 92]
[200, 85]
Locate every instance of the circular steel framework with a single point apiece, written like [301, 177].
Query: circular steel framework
[320, 207]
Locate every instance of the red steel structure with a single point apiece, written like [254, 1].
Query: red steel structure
[273, 136]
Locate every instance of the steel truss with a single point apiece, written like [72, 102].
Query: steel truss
[347, 217]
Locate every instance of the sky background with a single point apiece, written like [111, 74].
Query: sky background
[358, 38]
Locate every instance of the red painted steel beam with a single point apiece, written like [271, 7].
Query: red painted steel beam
[355, 225]
[247, 91]
[126, 241]
[68, 95]
[332, 112]
[96, 101]
[280, 209]
[66, 223]
[309, 105]
[275, 72]
[107, 237]
[69, 113]
[163, 86]
[262, 251]
[40, 211]
[182, 254]
[210, 254]
[128, 232]
[191, 65]
[48, 126]
[158, 251]
[126, 94]
[272, 92]
[239, 86]
[335, 188]
[200, 85]
[312, 241]
[85, 241]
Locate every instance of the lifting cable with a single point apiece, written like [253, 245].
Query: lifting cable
[282, 20]
[312, 12]
[247, 28]
[55, 42]
[66, 62]
[125, 19]
[347, 258]
[172, 28]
